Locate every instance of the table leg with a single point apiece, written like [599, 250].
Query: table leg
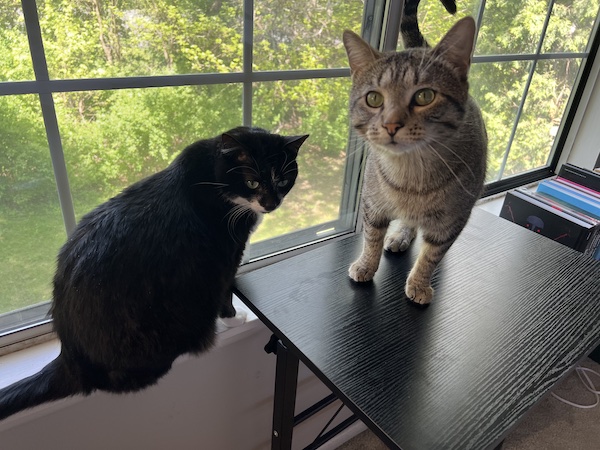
[286, 380]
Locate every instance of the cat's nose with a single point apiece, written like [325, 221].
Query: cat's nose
[269, 205]
[392, 128]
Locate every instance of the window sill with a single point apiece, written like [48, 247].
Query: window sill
[23, 363]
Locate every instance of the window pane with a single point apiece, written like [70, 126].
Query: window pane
[570, 25]
[31, 225]
[318, 108]
[15, 62]
[98, 39]
[511, 27]
[497, 88]
[118, 137]
[542, 114]
[303, 35]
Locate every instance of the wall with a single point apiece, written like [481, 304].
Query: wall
[585, 139]
[221, 400]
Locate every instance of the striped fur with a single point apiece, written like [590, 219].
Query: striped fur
[426, 164]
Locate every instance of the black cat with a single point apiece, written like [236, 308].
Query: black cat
[144, 276]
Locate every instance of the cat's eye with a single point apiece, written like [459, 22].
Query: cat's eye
[282, 183]
[252, 184]
[374, 99]
[424, 97]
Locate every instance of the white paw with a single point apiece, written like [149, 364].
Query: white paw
[232, 322]
[361, 272]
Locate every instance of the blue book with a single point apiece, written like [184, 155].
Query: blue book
[572, 196]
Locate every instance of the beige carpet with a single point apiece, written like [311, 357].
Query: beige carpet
[550, 425]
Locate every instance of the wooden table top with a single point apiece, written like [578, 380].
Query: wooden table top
[513, 312]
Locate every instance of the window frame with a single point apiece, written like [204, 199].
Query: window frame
[380, 27]
[568, 122]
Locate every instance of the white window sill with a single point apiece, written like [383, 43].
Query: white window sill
[23, 363]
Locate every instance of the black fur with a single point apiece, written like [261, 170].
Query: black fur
[144, 276]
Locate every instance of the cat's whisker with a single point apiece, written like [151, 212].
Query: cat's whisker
[422, 170]
[289, 171]
[242, 167]
[233, 216]
[358, 145]
[288, 164]
[255, 164]
[420, 68]
[284, 165]
[455, 154]
[451, 171]
[210, 183]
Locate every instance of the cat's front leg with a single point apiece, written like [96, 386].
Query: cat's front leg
[364, 268]
[418, 284]
[399, 237]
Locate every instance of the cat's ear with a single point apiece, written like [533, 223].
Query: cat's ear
[457, 45]
[229, 143]
[294, 142]
[360, 53]
[231, 147]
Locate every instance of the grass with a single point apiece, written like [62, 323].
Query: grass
[29, 242]
[31, 237]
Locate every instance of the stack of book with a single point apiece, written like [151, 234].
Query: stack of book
[565, 209]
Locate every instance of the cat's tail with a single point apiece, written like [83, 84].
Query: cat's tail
[53, 382]
[409, 26]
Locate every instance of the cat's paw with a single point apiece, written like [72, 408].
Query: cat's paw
[361, 272]
[399, 241]
[419, 294]
[236, 321]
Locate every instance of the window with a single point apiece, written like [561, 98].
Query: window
[96, 94]
[527, 63]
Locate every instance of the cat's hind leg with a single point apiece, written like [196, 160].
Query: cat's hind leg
[399, 237]
[235, 321]
[229, 316]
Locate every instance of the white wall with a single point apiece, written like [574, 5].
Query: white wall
[584, 141]
[221, 400]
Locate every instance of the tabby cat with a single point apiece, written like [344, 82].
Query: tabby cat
[427, 146]
[144, 276]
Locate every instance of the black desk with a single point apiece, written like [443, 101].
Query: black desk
[513, 312]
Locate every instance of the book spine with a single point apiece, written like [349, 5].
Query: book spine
[554, 224]
[558, 212]
[560, 206]
[580, 176]
[572, 185]
[554, 189]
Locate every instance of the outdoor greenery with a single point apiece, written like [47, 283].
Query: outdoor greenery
[112, 138]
